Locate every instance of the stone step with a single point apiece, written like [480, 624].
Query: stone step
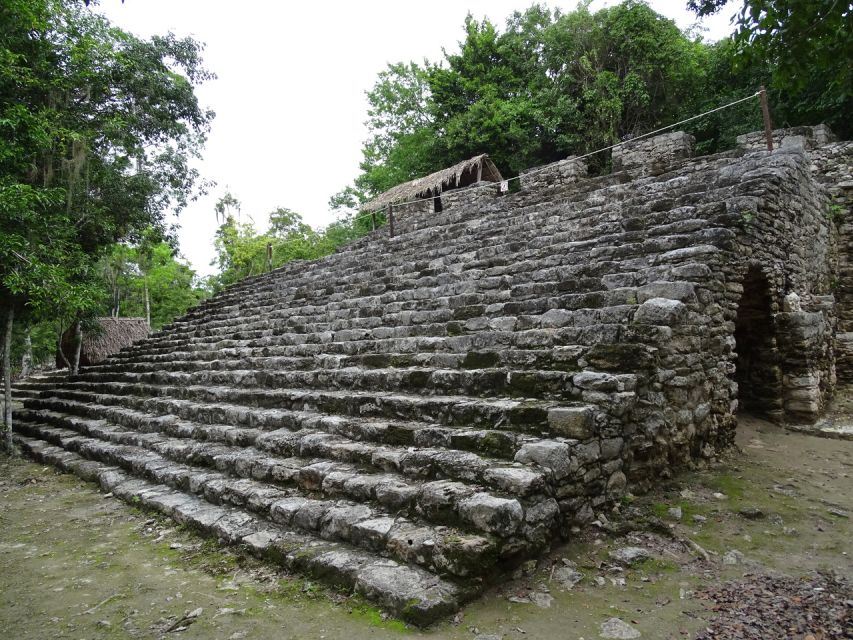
[522, 312]
[268, 282]
[409, 592]
[528, 416]
[558, 328]
[21, 393]
[513, 522]
[435, 300]
[243, 427]
[517, 478]
[337, 262]
[441, 352]
[525, 279]
[444, 550]
[552, 385]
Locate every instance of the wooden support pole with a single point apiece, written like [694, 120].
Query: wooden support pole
[269, 256]
[765, 112]
[373, 220]
[391, 220]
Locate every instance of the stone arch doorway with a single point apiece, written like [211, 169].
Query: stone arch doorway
[757, 371]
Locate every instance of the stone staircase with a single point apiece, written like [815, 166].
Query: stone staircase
[412, 416]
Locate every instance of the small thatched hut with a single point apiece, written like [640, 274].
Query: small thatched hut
[112, 335]
[477, 169]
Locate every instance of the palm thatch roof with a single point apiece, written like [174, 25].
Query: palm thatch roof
[462, 174]
[108, 337]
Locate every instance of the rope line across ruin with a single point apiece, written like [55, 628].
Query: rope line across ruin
[586, 155]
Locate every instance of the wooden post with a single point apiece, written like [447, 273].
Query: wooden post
[480, 171]
[373, 220]
[269, 256]
[765, 112]
[391, 220]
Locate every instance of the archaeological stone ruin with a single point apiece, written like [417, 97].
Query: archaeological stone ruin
[412, 417]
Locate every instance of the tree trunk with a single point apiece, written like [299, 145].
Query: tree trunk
[27, 358]
[78, 346]
[147, 304]
[59, 348]
[7, 380]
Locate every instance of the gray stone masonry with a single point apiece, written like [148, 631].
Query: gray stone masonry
[563, 173]
[415, 415]
[653, 156]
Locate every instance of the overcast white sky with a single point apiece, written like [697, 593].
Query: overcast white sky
[289, 98]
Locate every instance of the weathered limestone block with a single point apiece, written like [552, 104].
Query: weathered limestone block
[495, 515]
[653, 156]
[577, 423]
[804, 137]
[660, 311]
[550, 455]
[564, 172]
[681, 291]
[470, 197]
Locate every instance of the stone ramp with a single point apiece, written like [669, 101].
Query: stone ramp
[414, 416]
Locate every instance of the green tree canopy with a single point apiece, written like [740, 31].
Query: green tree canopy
[97, 130]
[804, 48]
[552, 84]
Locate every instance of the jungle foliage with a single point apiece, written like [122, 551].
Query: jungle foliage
[552, 84]
[97, 132]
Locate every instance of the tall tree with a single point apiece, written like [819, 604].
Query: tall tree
[806, 46]
[97, 130]
[549, 85]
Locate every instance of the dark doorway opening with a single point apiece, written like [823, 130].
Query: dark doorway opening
[757, 373]
[436, 204]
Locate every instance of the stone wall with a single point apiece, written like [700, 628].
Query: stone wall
[562, 173]
[808, 138]
[653, 156]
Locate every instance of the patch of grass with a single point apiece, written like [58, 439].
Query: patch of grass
[727, 484]
[656, 565]
[373, 617]
[688, 510]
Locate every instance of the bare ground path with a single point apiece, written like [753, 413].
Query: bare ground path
[75, 564]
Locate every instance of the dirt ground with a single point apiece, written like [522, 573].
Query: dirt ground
[74, 564]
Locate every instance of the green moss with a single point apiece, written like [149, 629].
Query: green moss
[656, 565]
[400, 361]
[618, 357]
[527, 413]
[688, 510]
[727, 484]
[497, 444]
[454, 329]
[374, 618]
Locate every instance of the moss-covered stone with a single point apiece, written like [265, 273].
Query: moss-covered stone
[454, 329]
[468, 312]
[618, 357]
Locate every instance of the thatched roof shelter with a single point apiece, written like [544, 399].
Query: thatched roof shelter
[465, 173]
[112, 335]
